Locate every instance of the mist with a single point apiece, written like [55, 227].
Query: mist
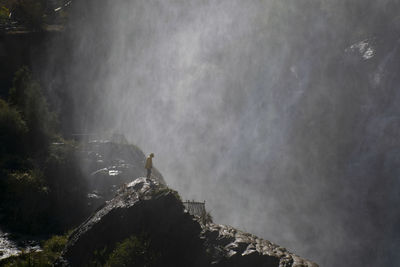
[282, 115]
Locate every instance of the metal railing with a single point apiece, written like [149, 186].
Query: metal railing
[195, 208]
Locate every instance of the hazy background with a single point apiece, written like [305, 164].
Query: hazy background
[283, 115]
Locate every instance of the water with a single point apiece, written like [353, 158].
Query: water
[10, 247]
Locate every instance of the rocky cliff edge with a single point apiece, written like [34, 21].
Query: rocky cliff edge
[147, 208]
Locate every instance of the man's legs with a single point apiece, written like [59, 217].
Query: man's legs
[148, 173]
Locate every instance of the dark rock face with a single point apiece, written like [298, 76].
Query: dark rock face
[143, 206]
[146, 206]
[109, 165]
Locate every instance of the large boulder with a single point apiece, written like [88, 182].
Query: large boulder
[148, 208]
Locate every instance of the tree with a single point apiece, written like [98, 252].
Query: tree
[27, 97]
[13, 132]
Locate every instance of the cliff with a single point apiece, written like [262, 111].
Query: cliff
[154, 216]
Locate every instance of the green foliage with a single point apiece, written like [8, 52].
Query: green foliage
[99, 257]
[29, 259]
[13, 131]
[4, 13]
[39, 200]
[134, 251]
[66, 181]
[52, 249]
[27, 97]
[24, 200]
[40, 182]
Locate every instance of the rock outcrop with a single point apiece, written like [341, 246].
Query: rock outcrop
[231, 247]
[108, 165]
[146, 207]
[141, 207]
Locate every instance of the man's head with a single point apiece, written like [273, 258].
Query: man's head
[152, 155]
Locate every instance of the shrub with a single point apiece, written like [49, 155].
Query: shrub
[133, 251]
[27, 97]
[68, 186]
[52, 249]
[4, 13]
[13, 131]
[24, 201]
[40, 200]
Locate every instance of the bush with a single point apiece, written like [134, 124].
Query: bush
[27, 97]
[4, 13]
[134, 251]
[68, 186]
[25, 202]
[52, 249]
[40, 182]
[39, 201]
[13, 131]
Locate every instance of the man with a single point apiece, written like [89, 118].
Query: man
[149, 164]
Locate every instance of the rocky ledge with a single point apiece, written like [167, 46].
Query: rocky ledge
[147, 208]
[228, 246]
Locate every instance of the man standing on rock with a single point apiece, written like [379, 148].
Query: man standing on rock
[149, 164]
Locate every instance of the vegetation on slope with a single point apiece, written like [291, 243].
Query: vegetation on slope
[42, 189]
[52, 249]
[33, 14]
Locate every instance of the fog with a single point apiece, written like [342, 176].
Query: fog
[282, 115]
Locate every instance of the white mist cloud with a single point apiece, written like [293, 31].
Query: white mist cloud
[254, 107]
